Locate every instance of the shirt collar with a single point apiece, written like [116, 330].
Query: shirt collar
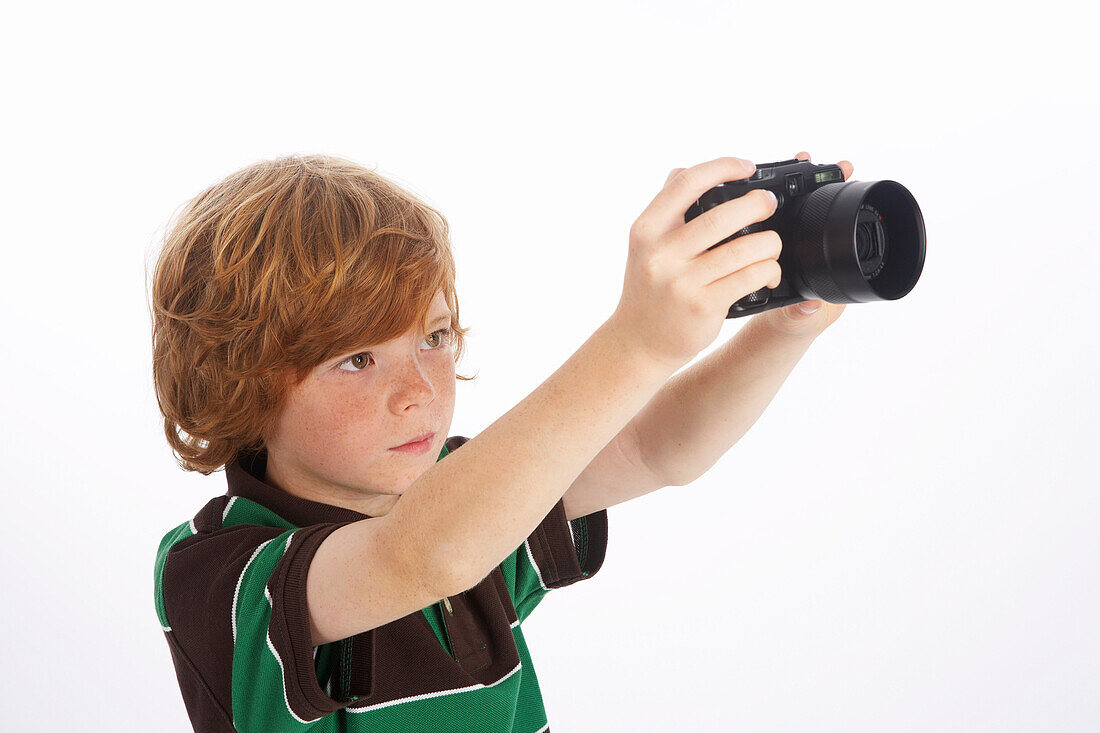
[244, 477]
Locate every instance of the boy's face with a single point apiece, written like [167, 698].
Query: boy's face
[333, 440]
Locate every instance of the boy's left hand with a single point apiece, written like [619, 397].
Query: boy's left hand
[791, 319]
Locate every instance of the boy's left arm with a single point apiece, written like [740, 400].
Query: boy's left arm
[702, 411]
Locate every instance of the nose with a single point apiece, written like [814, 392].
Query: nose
[412, 386]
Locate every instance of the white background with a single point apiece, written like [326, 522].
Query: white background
[906, 540]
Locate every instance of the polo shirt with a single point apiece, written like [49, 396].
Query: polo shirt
[230, 593]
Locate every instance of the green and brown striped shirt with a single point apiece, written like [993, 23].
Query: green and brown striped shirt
[230, 592]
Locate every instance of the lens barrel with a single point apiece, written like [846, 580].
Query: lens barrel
[859, 242]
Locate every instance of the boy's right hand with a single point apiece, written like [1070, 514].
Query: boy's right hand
[676, 293]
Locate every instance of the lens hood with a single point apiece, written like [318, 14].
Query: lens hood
[829, 243]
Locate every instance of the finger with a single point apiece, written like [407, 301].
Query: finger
[666, 211]
[748, 249]
[737, 285]
[714, 225]
[672, 174]
[846, 167]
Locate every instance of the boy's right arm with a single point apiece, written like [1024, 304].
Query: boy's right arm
[359, 578]
[472, 509]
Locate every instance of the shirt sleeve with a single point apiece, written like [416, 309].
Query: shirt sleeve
[237, 617]
[558, 553]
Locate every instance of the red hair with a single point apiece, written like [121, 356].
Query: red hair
[269, 272]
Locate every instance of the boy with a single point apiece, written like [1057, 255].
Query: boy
[305, 335]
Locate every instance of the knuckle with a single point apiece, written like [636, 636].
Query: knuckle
[650, 269]
[685, 178]
[696, 306]
[682, 294]
[714, 225]
[640, 231]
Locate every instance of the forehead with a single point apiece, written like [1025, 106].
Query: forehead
[439, 302]
[438, 314]
[438, 309]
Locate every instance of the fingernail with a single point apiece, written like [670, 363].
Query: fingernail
[809, 306]
[774, 199]
[749, 165]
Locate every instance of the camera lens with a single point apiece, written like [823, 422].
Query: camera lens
[870, 241]
[858, 242]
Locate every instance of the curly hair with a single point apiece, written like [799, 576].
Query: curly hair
[274, 269]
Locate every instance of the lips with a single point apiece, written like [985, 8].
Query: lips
[417, 439]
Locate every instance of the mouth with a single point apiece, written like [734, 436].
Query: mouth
[417, 439]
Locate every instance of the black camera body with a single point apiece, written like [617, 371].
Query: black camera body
[843, 242]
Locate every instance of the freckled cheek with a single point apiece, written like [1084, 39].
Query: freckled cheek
[443, 379]
[349, 415]
[323, 425]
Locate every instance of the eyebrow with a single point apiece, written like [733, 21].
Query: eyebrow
[444, 318]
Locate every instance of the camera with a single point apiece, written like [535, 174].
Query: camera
[843, 242]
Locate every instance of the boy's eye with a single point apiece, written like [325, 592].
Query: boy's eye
[444, 337]
[358, 362]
